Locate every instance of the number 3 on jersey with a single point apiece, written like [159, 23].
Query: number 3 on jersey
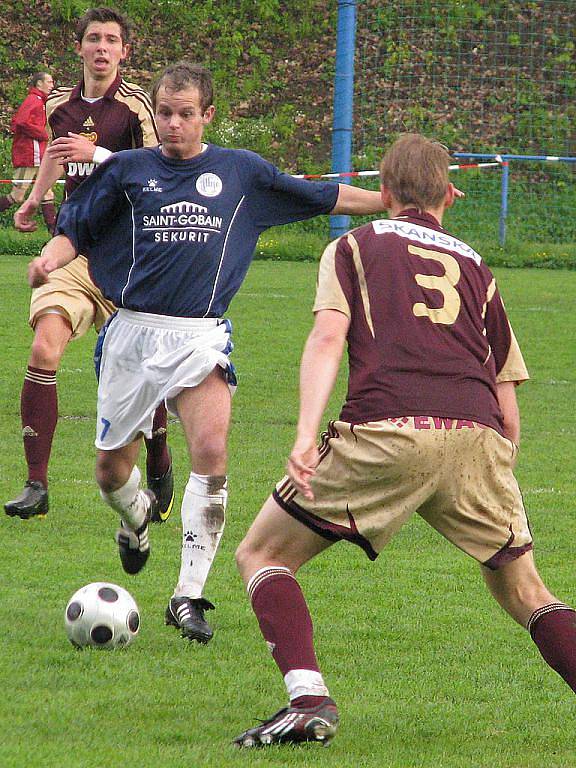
[447, 314]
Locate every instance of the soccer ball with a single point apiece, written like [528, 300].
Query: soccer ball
[101, 615]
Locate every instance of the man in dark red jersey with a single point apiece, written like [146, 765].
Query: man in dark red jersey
[100, 115]
[430, 425]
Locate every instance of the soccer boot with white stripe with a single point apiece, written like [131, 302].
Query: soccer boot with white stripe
[134, 546]
[163, 488]
[293, 726]
[187, 614]
[32, 502]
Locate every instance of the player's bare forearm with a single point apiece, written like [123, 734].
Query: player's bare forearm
[506, 392]
[319, 368]
[318, 372]
[48, 174]
[56, 253]
[355, 201]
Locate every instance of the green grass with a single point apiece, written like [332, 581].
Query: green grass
[427, 670]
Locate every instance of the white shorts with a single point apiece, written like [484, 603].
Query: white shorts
[149, 358]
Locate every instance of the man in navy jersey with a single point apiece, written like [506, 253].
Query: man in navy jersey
[86, 123]
[430, 425]
[170, 233]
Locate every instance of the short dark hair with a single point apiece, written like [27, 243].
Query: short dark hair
[38, 77]
[103, 15]
[415, 170]
[177, 77]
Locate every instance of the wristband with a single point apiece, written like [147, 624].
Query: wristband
[101, 154]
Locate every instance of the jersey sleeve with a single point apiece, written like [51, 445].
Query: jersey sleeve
[330, 292]
[277, 198]
[93, 208]
[510, 365]
[147, 125]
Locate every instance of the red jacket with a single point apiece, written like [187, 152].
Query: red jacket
[29, 128]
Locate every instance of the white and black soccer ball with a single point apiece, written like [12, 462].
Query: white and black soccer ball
[102, 615]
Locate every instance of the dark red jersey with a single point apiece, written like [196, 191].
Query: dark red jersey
[428, 334]
[121, 119]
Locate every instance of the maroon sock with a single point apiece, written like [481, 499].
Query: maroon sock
[553, 629]
[49, 216]
[158, 456]
[39, 412]
[5, 203]
[307, 702]
[284, 619]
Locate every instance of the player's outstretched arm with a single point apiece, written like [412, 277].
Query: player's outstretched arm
[356, 201]
[56, 253]
[48, 174]
[318, 372]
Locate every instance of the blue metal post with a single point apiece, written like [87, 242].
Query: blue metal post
[503, 203]
[343, 102]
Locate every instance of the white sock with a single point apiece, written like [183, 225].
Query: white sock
[129, 501]
[203, 514]
[305, 682]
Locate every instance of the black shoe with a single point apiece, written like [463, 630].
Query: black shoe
[163, 488]
[292, 726]
[134, 546]
[32, 502]
[187, 614]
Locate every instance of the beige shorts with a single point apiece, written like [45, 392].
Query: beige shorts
[19, 191]
[457, 475]
[70, 292]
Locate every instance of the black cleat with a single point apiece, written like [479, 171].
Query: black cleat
[134, 546]
[163, 488]
[32, 502]
[293, 726]
[187, 614]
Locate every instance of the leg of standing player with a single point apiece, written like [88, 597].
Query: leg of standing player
[204, 412]
[518, 588]
[39, 411]
[274, 548]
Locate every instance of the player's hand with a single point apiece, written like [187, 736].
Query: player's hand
[24, 217]
[302, 465]
[71, 148]
[458, 193]
[39, 269]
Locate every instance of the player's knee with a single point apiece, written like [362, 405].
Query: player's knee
[210, 452]
[532, 594]
[48, 347]
[247, 554]
[107, 474]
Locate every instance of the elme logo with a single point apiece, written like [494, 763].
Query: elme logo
[152, 186]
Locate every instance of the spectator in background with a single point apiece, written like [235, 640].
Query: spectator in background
[29, 144]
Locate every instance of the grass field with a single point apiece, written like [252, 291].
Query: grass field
[427, 671]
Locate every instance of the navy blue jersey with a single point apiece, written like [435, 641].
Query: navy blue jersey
[176, 237]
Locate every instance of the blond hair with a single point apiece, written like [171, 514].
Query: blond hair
[415, 170]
